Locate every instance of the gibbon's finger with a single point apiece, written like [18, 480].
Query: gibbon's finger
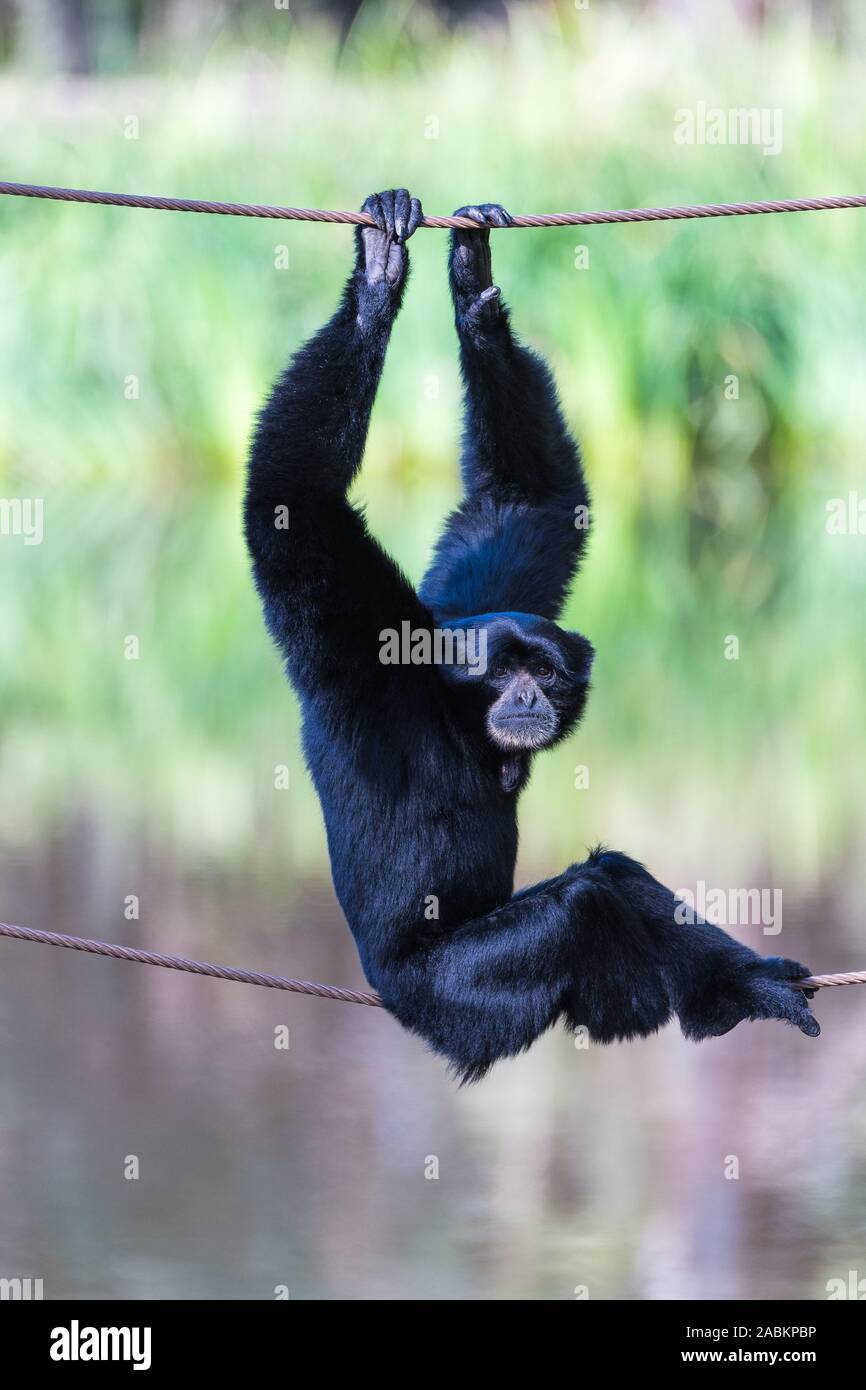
[401, 213]
[801, 1015]
[495, 215]
[478, 306]
[416, 216]
[373, 206]
[472, 212]
[797, 1011]
[387, 200]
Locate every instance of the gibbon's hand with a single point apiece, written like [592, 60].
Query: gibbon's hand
[476, 298]
[382, 253]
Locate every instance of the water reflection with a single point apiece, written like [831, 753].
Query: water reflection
[261, 1167]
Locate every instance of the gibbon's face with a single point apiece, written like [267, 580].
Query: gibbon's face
[536, 680]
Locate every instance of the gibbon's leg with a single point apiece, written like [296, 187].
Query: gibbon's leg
[599, 946]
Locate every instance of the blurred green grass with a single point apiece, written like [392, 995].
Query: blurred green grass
[709, 512]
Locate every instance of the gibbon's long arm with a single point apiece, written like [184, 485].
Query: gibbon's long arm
[515, 541]
[308, 544]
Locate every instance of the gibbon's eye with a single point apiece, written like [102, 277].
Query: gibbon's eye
[543, 671]
[500, 670]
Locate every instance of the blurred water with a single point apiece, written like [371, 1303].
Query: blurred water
[308, 1167]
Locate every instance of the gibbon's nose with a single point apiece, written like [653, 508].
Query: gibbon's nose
[526, 694]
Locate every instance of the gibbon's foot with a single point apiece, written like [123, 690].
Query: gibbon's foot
[397, 216]
[755, 989]
[471, 269]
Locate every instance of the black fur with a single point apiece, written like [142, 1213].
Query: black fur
[418, 790]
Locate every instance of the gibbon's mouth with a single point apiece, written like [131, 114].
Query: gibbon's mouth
[521, 730]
